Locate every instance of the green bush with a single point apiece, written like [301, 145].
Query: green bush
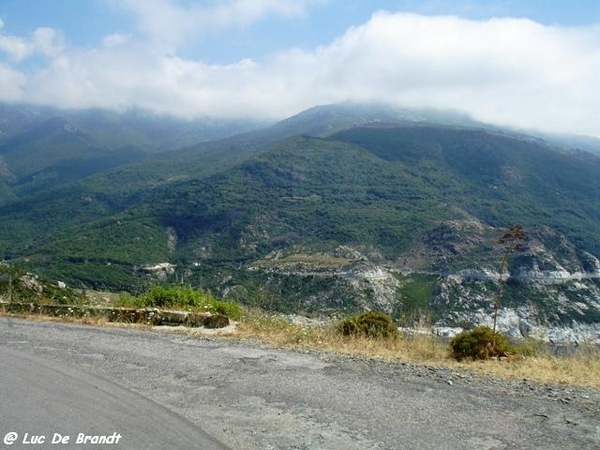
[373, 324]
[480, 343]
[229, 309]
[181, 297]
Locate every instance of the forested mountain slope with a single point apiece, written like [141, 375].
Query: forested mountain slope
[378, 212]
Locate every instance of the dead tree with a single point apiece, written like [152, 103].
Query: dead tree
[511, 241]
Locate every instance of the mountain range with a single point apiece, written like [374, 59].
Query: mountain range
[338, 209]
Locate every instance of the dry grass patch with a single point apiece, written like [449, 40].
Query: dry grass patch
[318, 260]
[281, 332]
[581, 369]
[103, 298]
[35, 317]
[576, 370]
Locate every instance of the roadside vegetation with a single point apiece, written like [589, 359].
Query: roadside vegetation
[180, 298]
[527, 360]
[371, 334]
[481, 343]
[370, 324]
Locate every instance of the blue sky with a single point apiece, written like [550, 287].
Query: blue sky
[86, 22]
[530, 64]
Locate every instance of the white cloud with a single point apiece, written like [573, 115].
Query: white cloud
[15, 47]
[508, 71]
[47, 41]
[44, 41]
[11, 84]
[169, 24]
[115, 40]
[243, 12]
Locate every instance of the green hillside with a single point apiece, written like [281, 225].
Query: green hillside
[499, 178]
[366, 186]
[302, 223]
[43, 148]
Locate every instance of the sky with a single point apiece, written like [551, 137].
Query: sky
[528, 64]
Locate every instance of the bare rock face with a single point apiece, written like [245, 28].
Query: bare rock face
[552, 288]
[161, 271]
[31, 282]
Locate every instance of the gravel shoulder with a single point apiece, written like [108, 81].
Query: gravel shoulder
[250, 396]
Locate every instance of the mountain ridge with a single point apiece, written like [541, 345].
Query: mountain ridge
[396, 216]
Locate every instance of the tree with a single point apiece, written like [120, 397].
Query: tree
[511, 241]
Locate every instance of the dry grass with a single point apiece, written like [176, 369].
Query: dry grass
[87, 320]
[102, 298]
[280, 332]
[319, 260]
[581, 369]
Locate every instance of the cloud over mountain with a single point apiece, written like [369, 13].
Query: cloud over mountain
[509, 71]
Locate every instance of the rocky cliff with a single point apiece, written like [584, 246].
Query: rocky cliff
[449, 279]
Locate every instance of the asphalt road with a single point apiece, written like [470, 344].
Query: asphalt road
[49, 404]
[142, 383]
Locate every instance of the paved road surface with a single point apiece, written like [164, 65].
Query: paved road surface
[254, 397]
[48, 404]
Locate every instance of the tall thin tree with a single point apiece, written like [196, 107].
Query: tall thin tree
[511, 241]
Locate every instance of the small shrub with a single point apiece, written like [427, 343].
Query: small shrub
[480, 343]
[229, 309]
[373, 324]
